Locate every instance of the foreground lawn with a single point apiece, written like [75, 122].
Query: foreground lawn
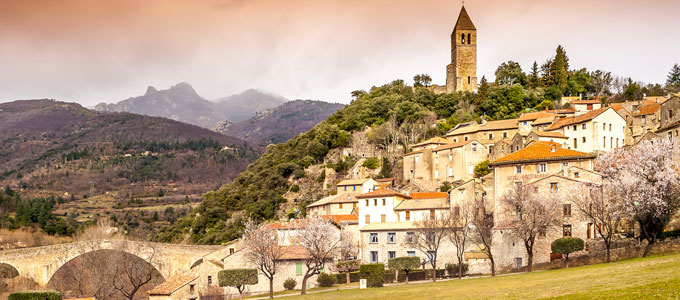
[656, 277]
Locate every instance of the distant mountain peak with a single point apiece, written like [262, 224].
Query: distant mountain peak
[183, 87]
[150, 90]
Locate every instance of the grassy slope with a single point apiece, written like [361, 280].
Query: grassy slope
[649, 278]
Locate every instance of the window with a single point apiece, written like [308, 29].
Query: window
[566, 210]
[375, 202]
[474, 147]
[542, 168]
[340, 206]
[191, 288]
[617, 142]
[518, 262]
[436, 158]
[383, 201]
[417, 157]
[566, 230]
[410, 237]
[456, 211]
[231, 250]
[431, 214]
[505, 135]
[577, 175]
[611, 142]
[574, 127]
[469, 79]
[670, 114]
[466, 138]
[368, 219]
[518, 185]
[367, 202]
[411, 253]
[490, 149]
[583, 126]
[209, 280]
[408, 216]
[553, 187]
[604, 126]
[589, 107]
[345, 188]
[644, 119]
[455, 140]
[610, 126]
[491, 136]
[518, 169]
[462, 38]
[373, 238]
[541, 232]
[391, 254]
[391, 237]
[436, 174]
[298, 268]
[354, 187]
[450, 172]
[588, 235]
[374, 256]
[604, 142]
[450, 156]
[469, 39]
[382, 218]
[584, 139]
[575, 143]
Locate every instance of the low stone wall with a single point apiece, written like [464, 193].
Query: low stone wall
[626, 249]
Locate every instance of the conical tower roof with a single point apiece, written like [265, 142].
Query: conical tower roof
[464, 22]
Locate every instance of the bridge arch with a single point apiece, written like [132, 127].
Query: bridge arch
[8, 271]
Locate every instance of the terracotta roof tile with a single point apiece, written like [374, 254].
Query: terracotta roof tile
[342, 218]
[294, 253]
[171, 285]
[339, 198]
[647, 109]
[434, 140]
[491, 125]
[434, 195]
[541, 151]
[578, 119]
[382, 193]
[535, 115]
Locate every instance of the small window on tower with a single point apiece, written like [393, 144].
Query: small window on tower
[462, 38]
[468, 79]
[469, 39]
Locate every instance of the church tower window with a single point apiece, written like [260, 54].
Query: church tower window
[469, 41]
[462, 38]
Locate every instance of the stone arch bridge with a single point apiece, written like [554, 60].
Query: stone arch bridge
[40, 263]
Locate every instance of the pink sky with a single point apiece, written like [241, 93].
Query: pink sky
[92, 51]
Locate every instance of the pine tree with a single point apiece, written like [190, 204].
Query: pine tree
[533, 78]
[673, 79]
[559, 68]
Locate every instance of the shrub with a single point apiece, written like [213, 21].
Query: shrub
[353, 277]
[347, 266]
[326, 280]
[295, 188]
[567, 245]
[405, 264]
[289, 284]
[482, 168]
[45, 295]
[237, 278]
[452, 269]
[372, 163]
[373, 273]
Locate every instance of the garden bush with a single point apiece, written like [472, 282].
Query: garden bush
[372, 163]
[289, 284]
[452, 269]
[374, 274]
[326, 280]
[567, 245]
[44, 295]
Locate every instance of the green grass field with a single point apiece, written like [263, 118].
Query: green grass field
[656, 277]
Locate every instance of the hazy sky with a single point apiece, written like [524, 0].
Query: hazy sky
[89, 51]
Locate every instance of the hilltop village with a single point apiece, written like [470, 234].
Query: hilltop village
[468, 171]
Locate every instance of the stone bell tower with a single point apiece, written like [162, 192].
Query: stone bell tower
[461, 74]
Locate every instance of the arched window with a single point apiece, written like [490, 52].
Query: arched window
[469, 41]
[469, 80]
[462, 38]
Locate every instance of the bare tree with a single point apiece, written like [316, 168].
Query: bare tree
[429, 236]
[319, 238]
[130, 275]
[389, 137]
[597, 203]
[347, 247]
[532, 215]
[482, 226]
[262, 248]
[460, 226]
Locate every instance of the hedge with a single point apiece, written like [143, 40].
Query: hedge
[567, 245]
[452, 269]
[373, 273]
[326, 280]
[414, 275]
[46, 295]
[237, 277]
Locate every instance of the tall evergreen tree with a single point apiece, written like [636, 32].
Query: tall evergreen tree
[673, 79]
[533, 78]
[559, 69]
